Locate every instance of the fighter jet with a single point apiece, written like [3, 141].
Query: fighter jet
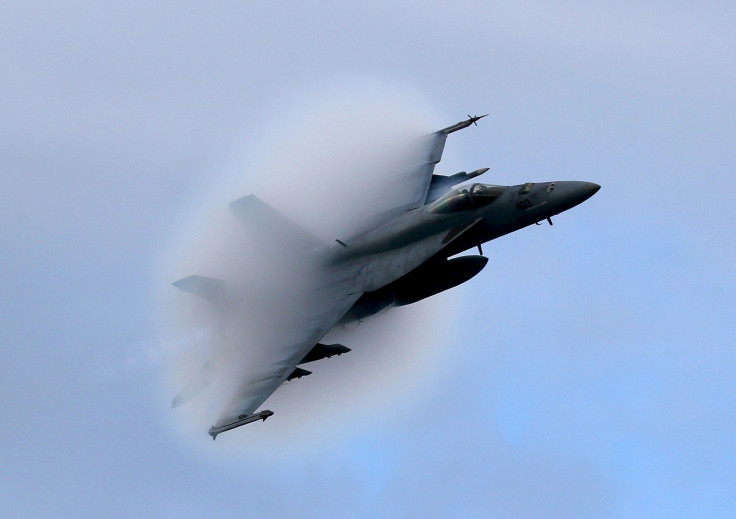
[409, 252]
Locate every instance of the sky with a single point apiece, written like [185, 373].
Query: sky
[588, 371]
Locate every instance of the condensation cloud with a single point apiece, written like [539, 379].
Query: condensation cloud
[329, 166]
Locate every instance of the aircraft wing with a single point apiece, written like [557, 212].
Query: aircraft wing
[422, 175]
[415, 183]
[305, 318]
[281, 322]
[304, 325]
[317, 313]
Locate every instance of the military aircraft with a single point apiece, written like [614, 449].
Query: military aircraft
[407, 253]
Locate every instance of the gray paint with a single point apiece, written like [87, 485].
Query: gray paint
[373, 261]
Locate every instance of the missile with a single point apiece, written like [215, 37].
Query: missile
[322, 351]
[457, 178]
[242, 420]
[298, 373]
[476, 173]
[462, 124]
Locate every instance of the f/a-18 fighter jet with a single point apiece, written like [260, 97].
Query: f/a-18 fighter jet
[407, 253]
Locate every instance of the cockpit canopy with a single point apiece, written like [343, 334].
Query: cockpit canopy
[465, 198]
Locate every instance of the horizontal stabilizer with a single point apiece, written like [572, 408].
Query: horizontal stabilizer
[324, 351]
[298, 373]
[270, 226]
[213, 290]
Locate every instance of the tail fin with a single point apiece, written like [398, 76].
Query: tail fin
[213, 290]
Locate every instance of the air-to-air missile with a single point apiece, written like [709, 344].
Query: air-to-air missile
[242, 420]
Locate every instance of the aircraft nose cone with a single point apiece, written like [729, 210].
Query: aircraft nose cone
[592, 187]
[571, 193]
[581, 191]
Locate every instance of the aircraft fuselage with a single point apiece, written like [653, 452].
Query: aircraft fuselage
[406, 259]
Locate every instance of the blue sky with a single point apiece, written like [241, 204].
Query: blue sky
[588, 371]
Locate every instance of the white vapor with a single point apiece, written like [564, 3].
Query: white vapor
[329, 167]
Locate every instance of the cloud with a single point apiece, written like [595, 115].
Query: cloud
[330, 167]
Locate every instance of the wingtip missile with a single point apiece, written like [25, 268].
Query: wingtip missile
[474, 118]
[242, 420]
[463, 124]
